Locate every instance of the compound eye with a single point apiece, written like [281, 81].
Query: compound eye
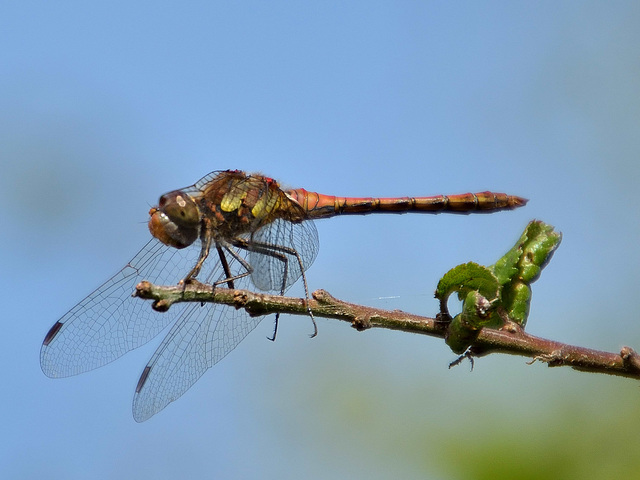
[168, 232]
[180, 208]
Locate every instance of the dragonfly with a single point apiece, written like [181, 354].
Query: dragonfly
[232, 229]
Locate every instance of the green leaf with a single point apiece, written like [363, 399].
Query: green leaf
[465, 327]
[466, 278]
[521, 266]
[538, 250]
[516, 301]
[506, 268]
[503, 287]
[477, 287]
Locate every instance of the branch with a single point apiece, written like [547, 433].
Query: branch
[510, 338]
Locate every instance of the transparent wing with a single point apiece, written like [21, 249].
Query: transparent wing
[200, 338]
[109, 322]
[284, 238]
[203, 335]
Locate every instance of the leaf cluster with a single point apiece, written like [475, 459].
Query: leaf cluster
[496, 295]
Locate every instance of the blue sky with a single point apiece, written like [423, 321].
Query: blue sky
[105, 106]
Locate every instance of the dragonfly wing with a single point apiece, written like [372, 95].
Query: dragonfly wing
[109, 322]
[284, 237]
[200, 338]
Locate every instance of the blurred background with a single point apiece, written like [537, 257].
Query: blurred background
[105, 106]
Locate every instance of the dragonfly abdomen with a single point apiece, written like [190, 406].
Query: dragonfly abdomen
[318, 205]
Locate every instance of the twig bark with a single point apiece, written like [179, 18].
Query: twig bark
[511, 339]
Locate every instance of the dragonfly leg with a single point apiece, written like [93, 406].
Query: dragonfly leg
[241, 243]
[225, 266]
[281, 252]
[204, 253]
[227, 271]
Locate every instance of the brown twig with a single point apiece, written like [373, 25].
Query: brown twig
[511, 339]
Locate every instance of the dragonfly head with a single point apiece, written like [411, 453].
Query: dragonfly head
[176, 220]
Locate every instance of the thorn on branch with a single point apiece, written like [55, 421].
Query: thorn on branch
[161, 305]
[361, 323]
[553, 359]
[630, 358]
[511, 327]
[240, 299]
[322, 296]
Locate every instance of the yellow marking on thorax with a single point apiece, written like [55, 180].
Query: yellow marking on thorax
[266, 204]
[232, 201]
